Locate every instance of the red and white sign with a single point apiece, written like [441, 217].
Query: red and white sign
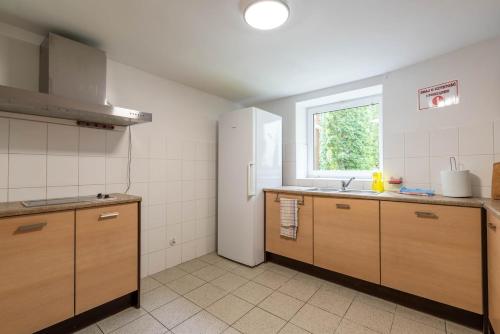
[438, 96]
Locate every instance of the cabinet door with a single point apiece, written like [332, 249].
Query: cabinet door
[346, 237]
[433, 251]
[106, 254]
[494, 271]
[300, 249]
[37, 265]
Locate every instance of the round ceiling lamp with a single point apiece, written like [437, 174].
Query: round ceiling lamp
[266, 14]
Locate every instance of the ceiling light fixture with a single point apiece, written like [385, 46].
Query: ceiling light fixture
[266, 14]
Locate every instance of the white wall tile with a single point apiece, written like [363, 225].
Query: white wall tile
[393, 145]
[23, 194]
[157, 147]
[27, 137]
[62, 139]
[476, 139]
[62, 170]
[444, 142]
[496, 135]
[174, 191]
[139, 170]
[188, 210]
[188, 251]
[157, 193]
[416, 144]
[4, 195]
[202, 208]
[117, 143]
[174, 148]
[59, 192]
[188, 150]
[188, 231]
[92, 189]
[174, 170]
[91, 170]
[92, 142]
[188, 190]
[4, 170]
[157, 170]
[116, 170]
[481, 168]
[27, 170]
[188, 170]
[141, 189]
[140, 142]
[157, 239]
[174, 256]
[394, 167]
[156, 262]
[144, 266]
[116, 188]
[174, 213]
[417, 170]
[438, 164]
[4, 135]
[157, 216]
[201, 170]
[174, 232]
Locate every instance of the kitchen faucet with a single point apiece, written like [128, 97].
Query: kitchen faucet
[345, 184]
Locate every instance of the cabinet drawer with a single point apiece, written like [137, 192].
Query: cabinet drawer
[494, 271]
[37, 265]
[300, 249]
[346, 237]
[433, 251]
[106, 254]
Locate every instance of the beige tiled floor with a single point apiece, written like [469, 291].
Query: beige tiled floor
[213, 295]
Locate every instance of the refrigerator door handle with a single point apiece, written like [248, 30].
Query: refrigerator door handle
[251, 179]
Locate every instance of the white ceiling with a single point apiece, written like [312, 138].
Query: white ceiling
[206, 44]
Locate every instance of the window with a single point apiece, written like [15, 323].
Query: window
[344, 138]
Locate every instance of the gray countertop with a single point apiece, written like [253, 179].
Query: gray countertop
[476, 202]
[9, 209]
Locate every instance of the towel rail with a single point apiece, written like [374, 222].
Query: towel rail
[299, 202]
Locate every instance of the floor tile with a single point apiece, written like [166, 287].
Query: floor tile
[341, 290]
[185, 284]
[292, 329]
[227, 264]
[148, 284]
[329, 299]
[120, 319]
[209, 273]
[175, 312]
[253, 292]
[349, 327]
[316, 320]
[300, 289]
[229, 282]
[453, 328]
[421, 317]
[193, 265]
[404, 325]
[144, 325]
[201, 323]
[371, 317]
[271, 279]
[230, 308]
[231, 330]
[281, 305]
[376, 302]
[205, 295]
[211, 258]
[93, 329]
[247, 272]
[157, 297]
[169, 275]
[285, 271]
[258, 321]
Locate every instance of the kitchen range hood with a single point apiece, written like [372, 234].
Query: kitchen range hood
[72, 84]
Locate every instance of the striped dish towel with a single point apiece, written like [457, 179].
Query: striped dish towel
[289, 218]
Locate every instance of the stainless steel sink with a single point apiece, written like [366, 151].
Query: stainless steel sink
[347, 191]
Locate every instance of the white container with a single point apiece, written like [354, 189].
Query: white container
[456, 183]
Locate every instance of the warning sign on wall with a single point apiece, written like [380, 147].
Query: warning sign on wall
[438, 96]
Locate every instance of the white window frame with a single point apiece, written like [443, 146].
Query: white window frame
[332, 107]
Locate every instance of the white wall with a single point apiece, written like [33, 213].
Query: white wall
[417, 144]
[173, 165]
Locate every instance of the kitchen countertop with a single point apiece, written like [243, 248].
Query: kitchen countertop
[476, 202]
[8, 209]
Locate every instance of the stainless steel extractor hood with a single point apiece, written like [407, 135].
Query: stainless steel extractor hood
[72, 86]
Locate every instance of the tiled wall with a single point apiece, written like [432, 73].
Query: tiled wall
[419, 157]
[176, 179]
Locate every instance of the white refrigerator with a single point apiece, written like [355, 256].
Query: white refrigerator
[249, 159]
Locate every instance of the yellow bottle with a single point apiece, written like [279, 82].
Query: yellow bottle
[377, 182]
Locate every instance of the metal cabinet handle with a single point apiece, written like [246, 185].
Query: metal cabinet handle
[492, 226]
[30, 228]
[427, 215]
[109, 215]
[343, 206]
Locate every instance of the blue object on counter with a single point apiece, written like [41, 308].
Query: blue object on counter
[416, 191]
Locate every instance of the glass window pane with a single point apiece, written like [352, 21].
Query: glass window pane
[347, 139]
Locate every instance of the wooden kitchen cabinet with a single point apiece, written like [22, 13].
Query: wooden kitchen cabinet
[346, 237]
[106, 254]
[433, 251]
[300, 249]
[37, 271]
[494, 271]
